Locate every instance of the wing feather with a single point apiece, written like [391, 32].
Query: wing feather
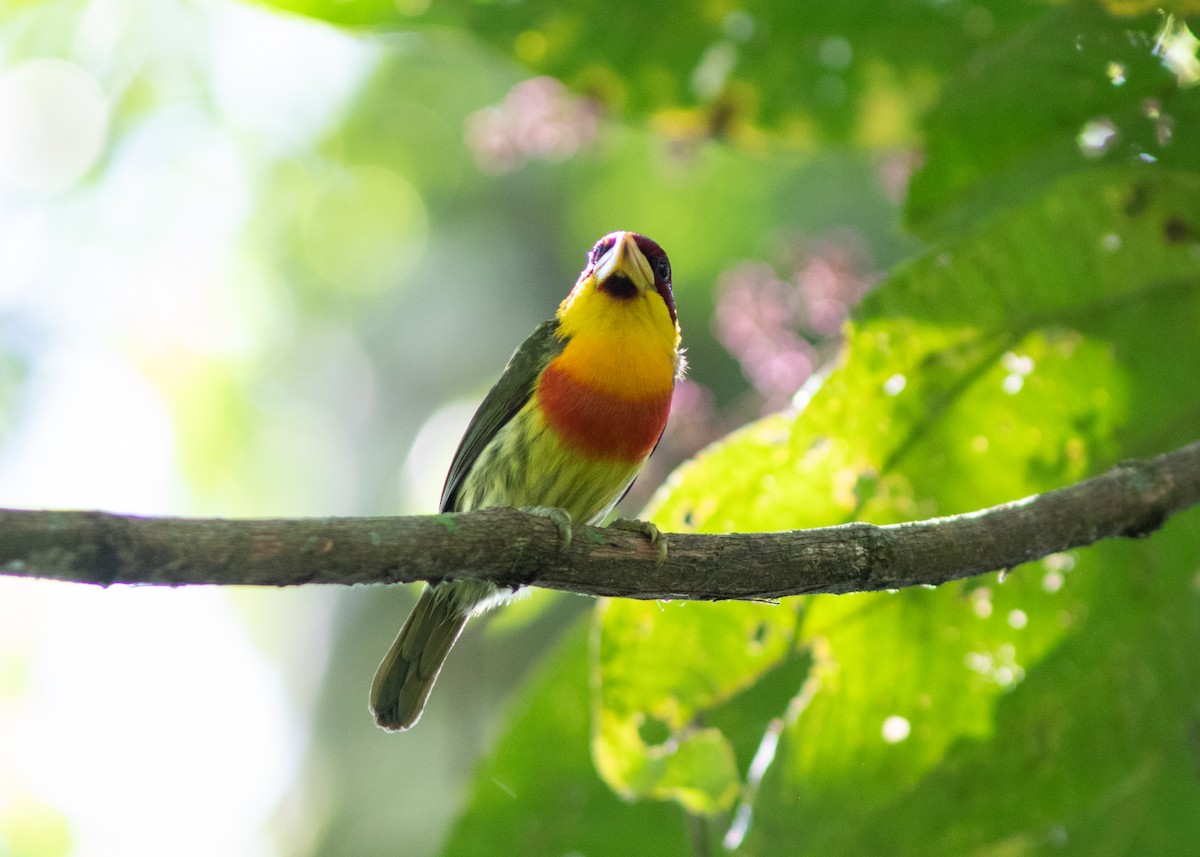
[501, 404]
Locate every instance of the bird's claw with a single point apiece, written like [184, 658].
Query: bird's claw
[561, 519]
[647, 529]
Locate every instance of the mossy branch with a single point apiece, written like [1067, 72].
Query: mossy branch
[513, 548]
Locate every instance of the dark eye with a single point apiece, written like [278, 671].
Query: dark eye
[662, 268]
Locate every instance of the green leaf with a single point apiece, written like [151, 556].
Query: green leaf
[1017, 359]
[539, 794]
[1013, 355]
[658, 669]
[1088, 748]
[1074, 90]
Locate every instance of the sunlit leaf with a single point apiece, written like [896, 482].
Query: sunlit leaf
[658, 669]
[1009, 362]
[539, 793]
[1010, 354]
[1069, 731]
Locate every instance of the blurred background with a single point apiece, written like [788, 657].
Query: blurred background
[256, 265]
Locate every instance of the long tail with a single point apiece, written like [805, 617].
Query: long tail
[411, 666]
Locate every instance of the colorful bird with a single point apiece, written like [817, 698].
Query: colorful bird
[564, 432]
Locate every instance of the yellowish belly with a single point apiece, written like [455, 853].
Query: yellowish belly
[526, 464]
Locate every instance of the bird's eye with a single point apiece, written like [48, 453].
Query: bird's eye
[662, 268]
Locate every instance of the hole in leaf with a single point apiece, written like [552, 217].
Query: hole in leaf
[654, 731]
[1176, 229]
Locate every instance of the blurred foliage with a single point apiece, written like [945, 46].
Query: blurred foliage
[989, 143]
[34, 828]
[1043, 327]
[805, 73]
[12, 376]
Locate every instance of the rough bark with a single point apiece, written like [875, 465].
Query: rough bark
[513, 548]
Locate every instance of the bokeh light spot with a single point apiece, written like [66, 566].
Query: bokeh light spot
[366, 229]
[53, 124]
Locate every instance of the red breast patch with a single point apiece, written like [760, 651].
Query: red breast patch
[598, 423]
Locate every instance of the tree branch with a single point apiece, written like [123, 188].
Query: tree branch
[513, 548]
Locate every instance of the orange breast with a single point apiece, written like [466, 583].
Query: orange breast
[601, 423]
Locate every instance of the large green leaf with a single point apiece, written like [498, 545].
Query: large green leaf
[539, 794]
[651, 695]
[1054, 339]
[1010, 355]
[1070, 731]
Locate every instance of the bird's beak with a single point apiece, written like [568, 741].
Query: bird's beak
[626, 258]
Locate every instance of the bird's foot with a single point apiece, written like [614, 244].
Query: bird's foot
[647, 529]
[561, 519]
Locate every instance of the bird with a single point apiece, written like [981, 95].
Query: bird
[563, 433]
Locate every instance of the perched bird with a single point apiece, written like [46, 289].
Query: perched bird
[576, 413]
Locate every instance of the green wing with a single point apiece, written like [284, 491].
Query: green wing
[501, 404]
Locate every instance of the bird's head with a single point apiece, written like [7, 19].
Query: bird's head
[625, 286]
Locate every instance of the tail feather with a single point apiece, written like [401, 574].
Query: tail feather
[411, 666]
